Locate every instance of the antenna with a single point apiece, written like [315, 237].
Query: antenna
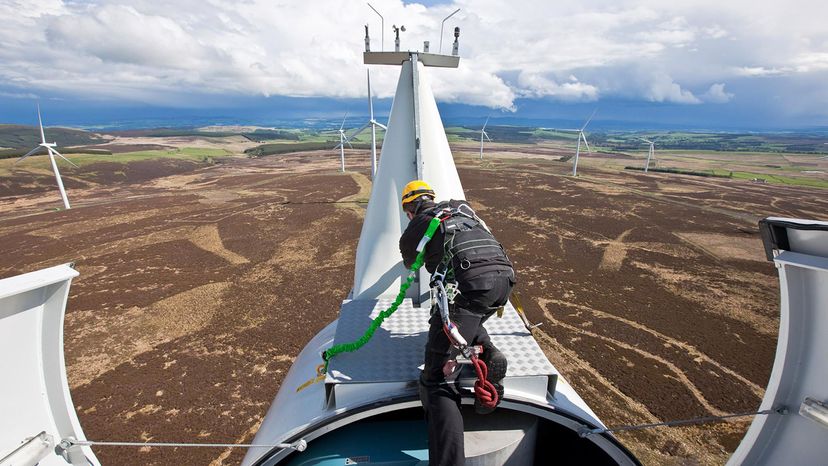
[50, 149]
[367, 40]
[397, 38]
[455, 49]
[382, 28]
[483, 133]
[441, 28]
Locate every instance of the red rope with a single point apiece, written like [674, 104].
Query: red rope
[484, 390]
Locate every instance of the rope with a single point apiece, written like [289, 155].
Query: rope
[66, 443]
[585, 432]
[484, 391]
[328, 354]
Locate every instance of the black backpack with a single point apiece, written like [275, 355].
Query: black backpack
[469, 248]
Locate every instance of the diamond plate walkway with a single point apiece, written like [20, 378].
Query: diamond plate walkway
[395, 353]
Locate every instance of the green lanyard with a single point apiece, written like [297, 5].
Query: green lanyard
[328, 354]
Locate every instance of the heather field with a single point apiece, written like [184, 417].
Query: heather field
[202, 277]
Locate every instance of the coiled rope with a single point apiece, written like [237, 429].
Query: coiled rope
[484, 391]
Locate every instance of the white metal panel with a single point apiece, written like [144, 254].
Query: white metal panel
[378, 265]
[438, 163]
[35, 390]
[800, 368]
[379, 270]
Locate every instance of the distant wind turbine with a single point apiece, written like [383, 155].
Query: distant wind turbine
[50, 149]
[581, 137]
[483, 133]
[373, 124]
[650, 154]
[342, 141]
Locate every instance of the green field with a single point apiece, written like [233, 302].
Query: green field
[780, 158]
[41, 162]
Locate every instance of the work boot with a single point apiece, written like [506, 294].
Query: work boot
[496, 364]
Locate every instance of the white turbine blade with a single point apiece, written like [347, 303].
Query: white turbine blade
[343, 121]
[349, 143]
[589, 119]
[375, 122]
[64, 158]
[355, 133]
[370, 99]
[40, 122]
[58, 178]
[486, 123]
[31, 152]
[585, 142]
[487, 136]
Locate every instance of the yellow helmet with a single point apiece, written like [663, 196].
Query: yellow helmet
[414, 190]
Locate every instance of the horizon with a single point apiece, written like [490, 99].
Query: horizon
[64, 114]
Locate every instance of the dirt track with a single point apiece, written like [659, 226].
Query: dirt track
[198, 289]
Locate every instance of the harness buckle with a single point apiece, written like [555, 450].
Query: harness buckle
[465, 264]
[451, 292]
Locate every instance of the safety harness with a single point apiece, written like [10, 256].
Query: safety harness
[444, 285]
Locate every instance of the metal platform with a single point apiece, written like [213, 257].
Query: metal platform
[393, 358]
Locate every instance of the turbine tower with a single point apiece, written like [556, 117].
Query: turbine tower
[650, 154]
[50, 149]
[342, 141]
[373, 124]
[581, 137]
[483, 133]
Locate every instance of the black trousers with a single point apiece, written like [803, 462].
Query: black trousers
[441, 401]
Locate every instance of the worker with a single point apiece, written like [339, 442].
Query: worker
[484, 277]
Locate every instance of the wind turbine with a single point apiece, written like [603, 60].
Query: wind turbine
[581, 137]
[342, 141]
[50, 148]
[650, 154]
[373, 124]
[483, 133]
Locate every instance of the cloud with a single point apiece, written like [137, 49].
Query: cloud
[752, 71]
[717, 94]
[662, 88]
[535, 85]
[18, 95]
[648, 50]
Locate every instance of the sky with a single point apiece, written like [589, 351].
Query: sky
[696, 64]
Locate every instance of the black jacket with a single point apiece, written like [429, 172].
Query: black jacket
[434, 249]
